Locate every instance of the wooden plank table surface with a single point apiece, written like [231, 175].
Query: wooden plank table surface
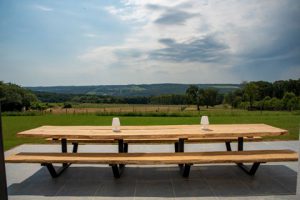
[154, 132]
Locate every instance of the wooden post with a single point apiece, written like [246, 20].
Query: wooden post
[3, 184]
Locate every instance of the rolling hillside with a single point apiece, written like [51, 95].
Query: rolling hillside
[131, 90]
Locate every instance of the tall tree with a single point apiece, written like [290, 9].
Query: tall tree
[193, 94]
[210, 97]
[251, 91]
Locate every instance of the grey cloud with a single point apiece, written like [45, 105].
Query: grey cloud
[172, 16]
[207, 49]
[280, 51]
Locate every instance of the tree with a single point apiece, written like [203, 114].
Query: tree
[193, 94]
[15, 97]
[210, 97]
[286, 98]
[251, 92]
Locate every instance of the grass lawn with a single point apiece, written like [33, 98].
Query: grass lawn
[15, 124]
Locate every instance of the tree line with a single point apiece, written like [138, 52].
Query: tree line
[262, 95]
[255, 95]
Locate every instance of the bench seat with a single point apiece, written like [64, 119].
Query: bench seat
[156, 158]
[184, 160]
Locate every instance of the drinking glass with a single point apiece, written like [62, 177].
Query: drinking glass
[116, 124]
[204, 122]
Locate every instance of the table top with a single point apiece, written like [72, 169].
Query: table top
[154, 132]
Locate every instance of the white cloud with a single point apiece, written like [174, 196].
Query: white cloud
[43, 8]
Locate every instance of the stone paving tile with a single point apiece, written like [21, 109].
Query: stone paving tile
[191, 188]
[228, 188]
[157, 189]
[116, 188]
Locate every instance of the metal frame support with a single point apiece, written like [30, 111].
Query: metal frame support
[64, 149]
[240, 144]
[75, 147]
[3, 183]
[125, 148]
[250, 171]
[185, 170]
[176, 147]
[55, 173]
[228, 145]
[181, 145]
[122, 147]
[117, 170]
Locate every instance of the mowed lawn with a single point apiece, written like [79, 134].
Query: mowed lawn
[14, 124]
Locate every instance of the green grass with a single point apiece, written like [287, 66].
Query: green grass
[15, 124]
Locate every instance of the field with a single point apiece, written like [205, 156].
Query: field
[15, 124]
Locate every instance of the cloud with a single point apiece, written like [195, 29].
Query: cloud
[172, 17]
[43, 8]
[206, 49]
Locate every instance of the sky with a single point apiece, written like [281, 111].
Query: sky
[54, 42]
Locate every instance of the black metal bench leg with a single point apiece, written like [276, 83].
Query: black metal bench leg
[55, 173]
[228, 146]
[64, 148]
[255, 165]
[117, 170]
[180, 148]
[250, 171]
[122, 148]
[185, 170]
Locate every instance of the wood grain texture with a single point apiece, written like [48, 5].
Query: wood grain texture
[154, 132]
[154, 141]
[156, 158]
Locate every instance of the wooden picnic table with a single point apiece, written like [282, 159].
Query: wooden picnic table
[179, 133]
[153, 132]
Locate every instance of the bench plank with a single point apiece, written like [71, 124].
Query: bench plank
[157, 158]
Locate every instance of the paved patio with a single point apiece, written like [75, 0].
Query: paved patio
[272, 180]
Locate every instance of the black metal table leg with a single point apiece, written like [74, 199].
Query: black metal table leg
[75, 147]
[176, 146]
[228, 145]
[181, 145]
[240, 144]
[121, 146]
[64, 148]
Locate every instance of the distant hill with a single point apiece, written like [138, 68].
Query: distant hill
[132, 90]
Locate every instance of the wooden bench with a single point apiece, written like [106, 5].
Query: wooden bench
[185, 160]
[227, 141]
